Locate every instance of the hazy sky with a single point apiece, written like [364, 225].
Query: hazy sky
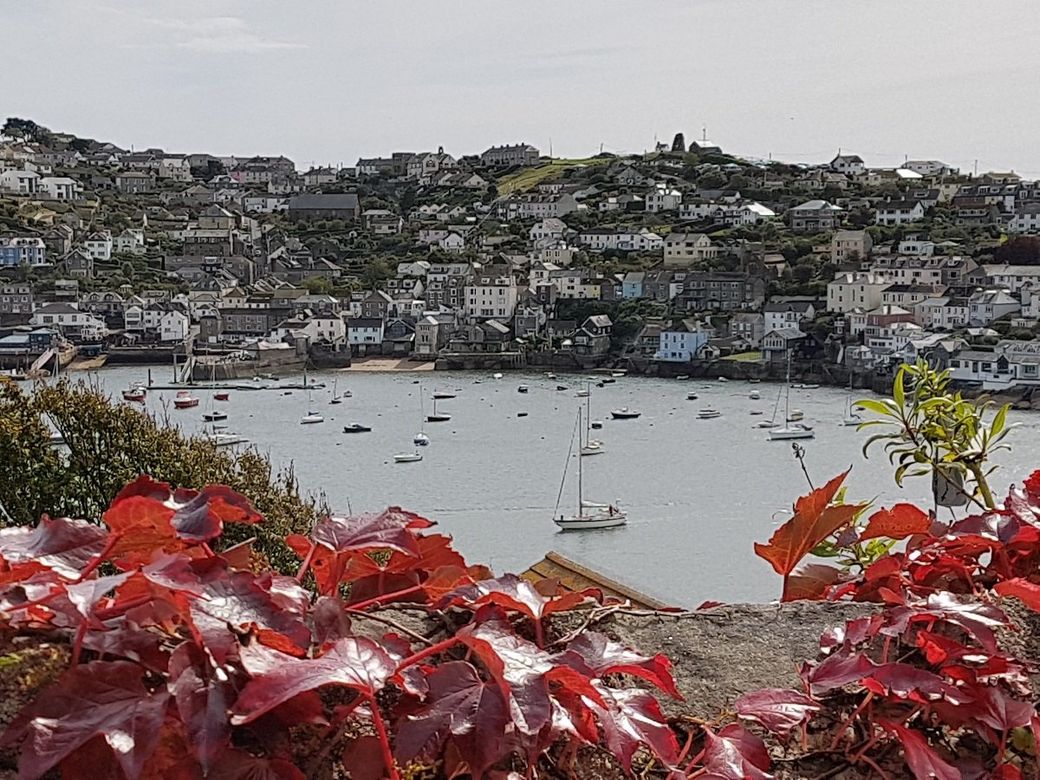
[327, 81]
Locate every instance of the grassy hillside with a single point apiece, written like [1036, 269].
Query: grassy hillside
[530, 177]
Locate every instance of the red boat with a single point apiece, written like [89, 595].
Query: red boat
[136, 393]
[185, 400]
[221, 395]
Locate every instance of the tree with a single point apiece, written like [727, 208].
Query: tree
[318, 285]
[679, 143]
[375, 274]
[1021, 250]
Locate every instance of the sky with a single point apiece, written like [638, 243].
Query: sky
[328, 81]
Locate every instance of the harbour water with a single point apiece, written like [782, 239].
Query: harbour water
[698, 492]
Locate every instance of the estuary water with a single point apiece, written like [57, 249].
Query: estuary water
[698, 492]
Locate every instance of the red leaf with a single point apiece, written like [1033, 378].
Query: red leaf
[202, 704]
[363, 756]
[810, 582]
[392, 529]
[903, 680]
[836, 671]
[899, 522]
[632, 717]
[998, 710]
[596, 655]
[64, 545]
[734, 754]
[923, 761]
[518, 666]
[814, 520]
[106, 699]
[512, 592]
[196, 516]
[352, 662]
[779, 710]
[238, 765]
[461, 707]
[1025, 591]
[237, 602]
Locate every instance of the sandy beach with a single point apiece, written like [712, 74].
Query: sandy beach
[388, 364]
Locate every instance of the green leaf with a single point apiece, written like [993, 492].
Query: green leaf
[898, 392]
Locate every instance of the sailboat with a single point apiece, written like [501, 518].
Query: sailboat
[336, 397]
[436, 416]
[211, 414]
[421, 439]
[789, 430]
[850, 418]
[590, 515]
[591, 446]
[312, 416]
[771, 422]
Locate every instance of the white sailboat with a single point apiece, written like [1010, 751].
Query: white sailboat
[312, 416]
[336, 397]
[590, 515]
[436, 416]
[590, 446]
[421, 439]
[851, 417]
[790, 430]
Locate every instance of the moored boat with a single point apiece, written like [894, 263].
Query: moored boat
[590, 515]
[691, 396]
[356, 428]
[791, 431]
[708, 414]
[185, 400]
[136, 392]
[624, 414]
[214, 416]
[221, 395]
[311, 418]
[522, 389]
[407, 457]
[421, 439]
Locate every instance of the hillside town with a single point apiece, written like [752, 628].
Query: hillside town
[681, 260]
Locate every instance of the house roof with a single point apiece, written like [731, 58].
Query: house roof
[347, 201]
[787, 334]
[574, 577]
[815, 205]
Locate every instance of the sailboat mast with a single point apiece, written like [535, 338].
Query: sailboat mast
[588, 414]
[787, 390]
[579, 466]
[422, 410]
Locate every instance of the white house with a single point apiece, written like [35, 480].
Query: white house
[452, 242]
[1026, 219]
[551, 227]
[942, 313]
[682, 342]
[364, 334]
[130, 242]
[855, 290]
[491, 295]
[20, 182]
[898, 212]
[663, 198]
[621, 239]
[174, 325]
[1013, 277]
[916, 245]
[99, 245]
[575, 283]
[986, 306]
[70, 320]
[785, 315]
[59, 187]
[849, 164]
[686, 248]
